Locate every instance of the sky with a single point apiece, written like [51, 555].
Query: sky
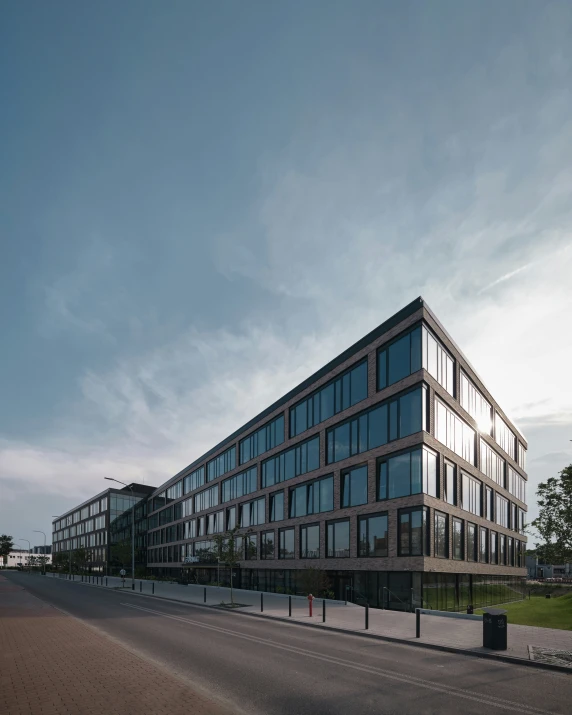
[203, 203]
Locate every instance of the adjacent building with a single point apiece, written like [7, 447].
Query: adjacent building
[392, 469]
[96, 535]
[22, 558]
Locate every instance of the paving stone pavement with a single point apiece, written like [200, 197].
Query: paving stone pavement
[53, 664]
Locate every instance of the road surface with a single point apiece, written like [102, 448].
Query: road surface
[267, 668]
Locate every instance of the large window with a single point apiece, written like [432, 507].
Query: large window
[471, 542]
[298, 460]
[453, 432]
[267, 545]
[253, 513]
[391, 420]
[504, 437]
[458, 546]
[516, 484]
[521, 456]
[489, 504]
[399, 359]
[450, 483]
[338, 539]
[476, 405]
[239, 485]
[267, 437]
[277, 506]
[501, 511]
[502, 550]
[175, 491]
[215, 522]
[343, 392]
[409, 473]
[312, 497]
[310, 541]
[354, 486]
[472, 495]
[492, 464]
[231, 518]
[438, 363]
[484, 546]
[373, 535]
[286, 541]
[494, 547]
[206, 499]
[194, 480]
[222, 464]
[441, 536]
[413, 532]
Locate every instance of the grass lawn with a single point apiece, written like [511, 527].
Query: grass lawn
[543, 612]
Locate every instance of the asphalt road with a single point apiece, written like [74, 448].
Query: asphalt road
[281, 669]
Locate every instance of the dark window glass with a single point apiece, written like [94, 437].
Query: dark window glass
[411, 413]
[441, 543]
[310, 542]
[342, 442]
[251, 544]
[286, 544]
[458, 540]
[267, 545]
[399, 359]
[412, 535]
[408, 473]
[373, 535]
[449, 484]
[399, 354]
[338, 539]
[471, 542]
[377, 427]
[298, 460]
[382, 370]
[484, 546]
[354, 487]
[267, 437]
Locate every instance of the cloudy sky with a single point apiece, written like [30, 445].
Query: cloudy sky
[202, 203]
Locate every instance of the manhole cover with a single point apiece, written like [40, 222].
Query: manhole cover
[554, 656]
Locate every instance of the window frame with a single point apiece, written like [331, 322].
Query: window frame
[365, 518]
[303, 534]
[344, 473]
[439, 515]
[332, 523]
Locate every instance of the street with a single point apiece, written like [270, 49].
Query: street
[275, 668]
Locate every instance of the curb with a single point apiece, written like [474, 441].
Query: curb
[375, 636]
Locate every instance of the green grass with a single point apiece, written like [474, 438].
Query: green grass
[543, 612]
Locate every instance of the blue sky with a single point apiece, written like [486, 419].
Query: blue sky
[202, 203]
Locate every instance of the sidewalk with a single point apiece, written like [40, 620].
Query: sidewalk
[526, 643]
[51, 663]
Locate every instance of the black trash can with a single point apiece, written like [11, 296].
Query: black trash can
[494, 629]
[470, 610]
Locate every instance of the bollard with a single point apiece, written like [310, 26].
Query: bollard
[140, 586]
[367, 616]
[153, 587]
[261, 603]
[290, 606]
[323, 610]
[417, 623]
[106, 580]
[205, 595]
[310, 600]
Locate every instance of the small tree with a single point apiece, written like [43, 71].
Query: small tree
[554, 522]
[230, 551]
[58, 560]
[42, 561]
[6, 545]
[80, 557]
[121, 552]
[314, 580]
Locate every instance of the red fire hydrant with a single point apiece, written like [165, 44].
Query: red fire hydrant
[310, 599]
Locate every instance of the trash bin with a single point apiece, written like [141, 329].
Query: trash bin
[494, 629]
[470, 610]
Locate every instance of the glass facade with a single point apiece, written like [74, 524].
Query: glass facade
[453, 432]
[264, 439]
[516, 484]
[450, 483]
[354, 486]
[492, 464]
[339, 394]
[399, 359]
[472, 495]
[277, 506]
[391, 420]
[338, 539]
[311, 497]
[373, 537]
[222, 464]
[505, 437]
[239, 485]
[296, 461]
[286, 540]
[476, 405]
[407, 473]
[413, 532]
[194, 480]
[310, 541]
[458, 540]
[441, 536]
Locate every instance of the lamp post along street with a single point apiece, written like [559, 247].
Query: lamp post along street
[37, 531]
[132, 528]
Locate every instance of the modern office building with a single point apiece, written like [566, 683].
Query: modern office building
[392, 469]
[96, 535]
[42, 550]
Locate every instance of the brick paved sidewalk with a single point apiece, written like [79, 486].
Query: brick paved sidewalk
[52, 663]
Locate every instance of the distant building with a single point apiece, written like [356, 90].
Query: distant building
[42, 549]
[18, 558]
[536, 568]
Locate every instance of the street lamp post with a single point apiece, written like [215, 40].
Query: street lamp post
[29, 551]
[132, 529]
[37, 531]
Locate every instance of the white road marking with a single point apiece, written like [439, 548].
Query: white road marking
[411, 680]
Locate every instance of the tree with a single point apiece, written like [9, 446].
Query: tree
[6, 545]
[314, 580]
[121, 552]
[59, 560]
[230, 552]
[80, 557]
[554, 523]
[42, 561]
